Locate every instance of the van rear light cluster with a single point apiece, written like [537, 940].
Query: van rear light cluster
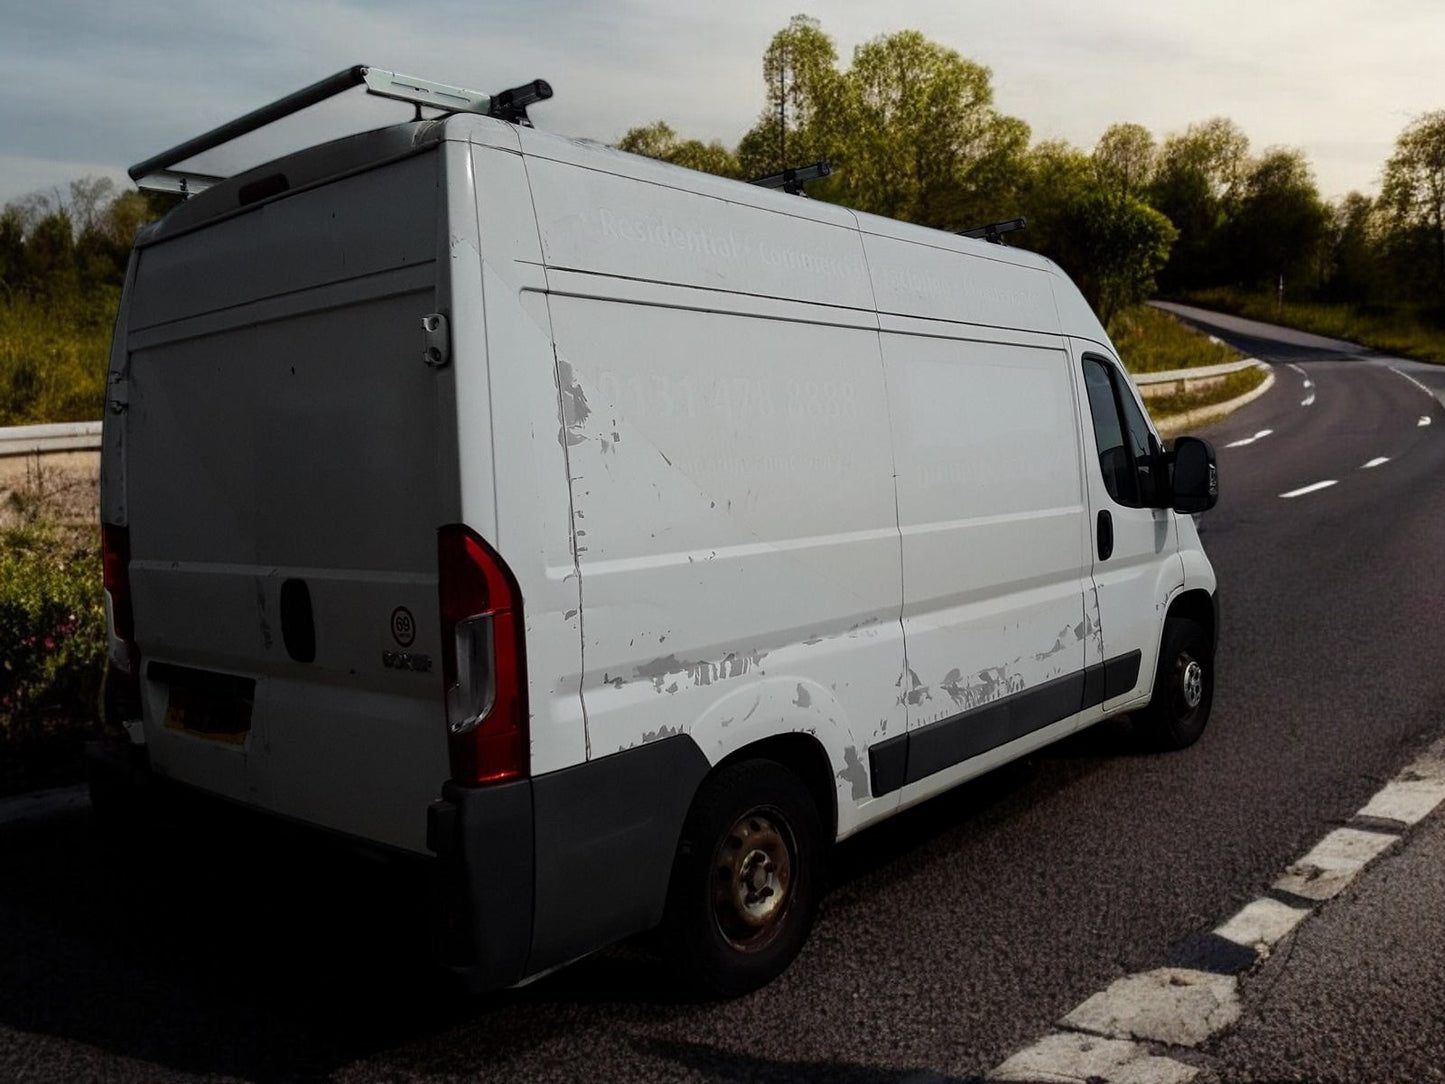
[122, 685]
[483, 661]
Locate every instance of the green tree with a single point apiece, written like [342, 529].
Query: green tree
[1353, 266]
[922, 138]
[803, 101]
[1413, 195]
[1196, 186]
[1278, 226]
[1111, 243]
[659, 140]
[1124, 158]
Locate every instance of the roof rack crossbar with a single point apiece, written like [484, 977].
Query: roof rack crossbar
[994, 231]
[792, 181]
[378, 81]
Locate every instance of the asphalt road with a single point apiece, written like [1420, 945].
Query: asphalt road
[955, 934]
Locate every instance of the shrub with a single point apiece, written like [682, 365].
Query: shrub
[52, 646]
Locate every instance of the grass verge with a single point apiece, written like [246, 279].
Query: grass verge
[1402, 330]
[1151, 341]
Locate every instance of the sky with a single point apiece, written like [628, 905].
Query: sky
[95, 85]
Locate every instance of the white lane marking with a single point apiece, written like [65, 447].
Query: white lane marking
[1298, 369]
[1412, 380]
[1413, 794]
[1070, 1057]
[1424, 421]
[1308, 489]
[1309, 383]
[1378, 461]
[1262, 924]
[1250, 440]
[1309, 400]
[1336, 859]
[1171, 1005]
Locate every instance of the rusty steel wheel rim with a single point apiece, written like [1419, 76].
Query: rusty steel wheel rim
[753, 875]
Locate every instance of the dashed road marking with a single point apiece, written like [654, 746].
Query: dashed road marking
[1262, 924]
[1299, 369]
[1308, 400]
[1378, 461]
[1250, 440]
[1068, 1058]
[1309, 489]
[1424, 421]
[1335, 861]
[1106, 1037]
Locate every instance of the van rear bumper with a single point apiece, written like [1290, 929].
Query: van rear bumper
[541, 871]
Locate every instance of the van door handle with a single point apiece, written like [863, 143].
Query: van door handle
[1106, 535]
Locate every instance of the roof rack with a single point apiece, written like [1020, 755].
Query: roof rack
[993, 231]
[792, 180]
[509, 105]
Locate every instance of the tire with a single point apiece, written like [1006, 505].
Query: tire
[1183, 687]
[746, 880]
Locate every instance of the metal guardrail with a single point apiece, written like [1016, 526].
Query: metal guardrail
[1178, 381]
[39, 439]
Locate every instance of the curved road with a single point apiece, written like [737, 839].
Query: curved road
[954, 935]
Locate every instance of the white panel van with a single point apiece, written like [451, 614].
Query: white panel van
[618, 536]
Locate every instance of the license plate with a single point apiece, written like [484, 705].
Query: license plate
[214, 708]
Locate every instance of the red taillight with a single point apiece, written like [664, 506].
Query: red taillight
[483, 662]
[115, 569]
[122, 683]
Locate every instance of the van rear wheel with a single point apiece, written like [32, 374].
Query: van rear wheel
[746, 880]
[1183, 687]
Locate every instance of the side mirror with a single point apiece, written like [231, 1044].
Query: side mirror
[1195, 483]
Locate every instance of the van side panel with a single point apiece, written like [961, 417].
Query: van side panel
[284, 443]
[731, 475]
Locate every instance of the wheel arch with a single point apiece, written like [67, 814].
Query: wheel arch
[803, 755]
[1199, 606]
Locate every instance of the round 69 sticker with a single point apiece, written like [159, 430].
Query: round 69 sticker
[403, 626]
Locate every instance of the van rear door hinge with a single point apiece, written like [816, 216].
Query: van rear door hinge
[117, 396]
[437, 342]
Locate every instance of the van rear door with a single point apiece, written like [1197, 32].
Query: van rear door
[287, 456]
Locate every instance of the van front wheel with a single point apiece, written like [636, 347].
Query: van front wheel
[1183, 687]
[746, 880]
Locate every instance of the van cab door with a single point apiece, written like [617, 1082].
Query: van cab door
[1136, 563]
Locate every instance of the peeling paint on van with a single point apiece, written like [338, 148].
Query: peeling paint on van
[660, 733]
[916, 693]
[575, 410]
[803, 698]
[702, 673]
[854, 773]
[992, 683]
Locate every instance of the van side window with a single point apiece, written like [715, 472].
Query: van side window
[1121, 434]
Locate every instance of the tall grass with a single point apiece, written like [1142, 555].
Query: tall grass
[53, 358]
[1150, 341]
[1408, 331]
